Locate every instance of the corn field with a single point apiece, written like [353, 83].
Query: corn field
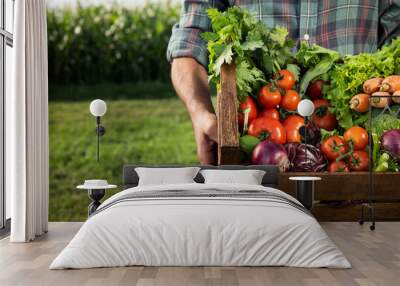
[109, 44]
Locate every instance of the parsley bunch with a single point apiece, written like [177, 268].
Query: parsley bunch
[240, 39]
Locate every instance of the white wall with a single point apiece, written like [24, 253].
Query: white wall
[9, 60]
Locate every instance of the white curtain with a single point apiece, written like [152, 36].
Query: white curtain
[27, 124]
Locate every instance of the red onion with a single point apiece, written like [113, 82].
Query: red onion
[390, 142]
[269, 153]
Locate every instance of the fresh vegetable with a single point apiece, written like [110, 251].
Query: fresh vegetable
[347, 79]
[313, 133]
[387, 164]
[239, 38]
[251, 108]
[384, 123]
[376, 146]
[358, 136]
[341, 89]
[315, 89]
[267, 128]
[390, 142]
[383, 163]
[338, 166]
[292, 124]
[333, 147]
[269, 96]
[380, 99]
[270, 113]
[290, 100]
[270, 153]
[382, 167]
[396, 96]
[317, 60]
[322, 117]
[359, 161]
[305, 158]
[372, 85]
[360, 102]
[285, 79]
[391, 84]
[247, 143]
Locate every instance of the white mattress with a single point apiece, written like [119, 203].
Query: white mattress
[200, 232]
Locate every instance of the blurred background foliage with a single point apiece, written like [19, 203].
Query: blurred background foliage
[88, 44]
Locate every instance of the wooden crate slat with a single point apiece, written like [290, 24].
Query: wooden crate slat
[228, 139]
[383, 212]
[347, 186]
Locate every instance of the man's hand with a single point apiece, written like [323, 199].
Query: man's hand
[205, 132]
[191, 84]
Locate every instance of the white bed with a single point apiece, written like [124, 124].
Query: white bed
[184, 230]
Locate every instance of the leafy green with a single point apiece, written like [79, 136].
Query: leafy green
[295, 70]
[385, 122]
[246, 77]
[309, 56]
[318, 70]
[240, 39]
[317, 60]
[347, 79]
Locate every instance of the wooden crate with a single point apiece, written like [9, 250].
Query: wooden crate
[333, 187]
[351, 187]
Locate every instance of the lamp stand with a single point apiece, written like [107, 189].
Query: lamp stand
[100, 131]
[305, 136]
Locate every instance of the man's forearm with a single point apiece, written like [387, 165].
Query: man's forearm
[190, 81]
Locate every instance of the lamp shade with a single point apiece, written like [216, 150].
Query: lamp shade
[98, 107]
[305, 108]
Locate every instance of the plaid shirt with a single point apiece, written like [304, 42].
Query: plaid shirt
[348, 26]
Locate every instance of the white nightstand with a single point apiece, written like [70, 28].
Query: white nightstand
[96, 191]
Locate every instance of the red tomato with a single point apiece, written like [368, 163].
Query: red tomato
[268, 128]
[269, 96]
[270, 113]
[359, 161]
[290, 100]
[292, 124]
[338, 166]
[322, 117]
[358, 136]
[333, 147]
[285, 79]
[248, 103]
[314, 90]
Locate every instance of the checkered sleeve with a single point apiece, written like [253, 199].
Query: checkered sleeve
[389, 20]
[186, 38]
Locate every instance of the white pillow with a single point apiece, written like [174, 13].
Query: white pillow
[165, 176]
[248, 177]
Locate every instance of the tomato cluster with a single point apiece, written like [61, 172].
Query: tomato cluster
[347, 153]
[264, 116]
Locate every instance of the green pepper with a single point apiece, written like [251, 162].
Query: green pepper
[248, 143]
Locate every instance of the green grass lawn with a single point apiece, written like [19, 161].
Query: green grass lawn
[140, 130]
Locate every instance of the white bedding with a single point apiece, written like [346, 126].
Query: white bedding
[200, 231]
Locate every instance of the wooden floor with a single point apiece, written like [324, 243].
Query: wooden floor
[375, 257]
